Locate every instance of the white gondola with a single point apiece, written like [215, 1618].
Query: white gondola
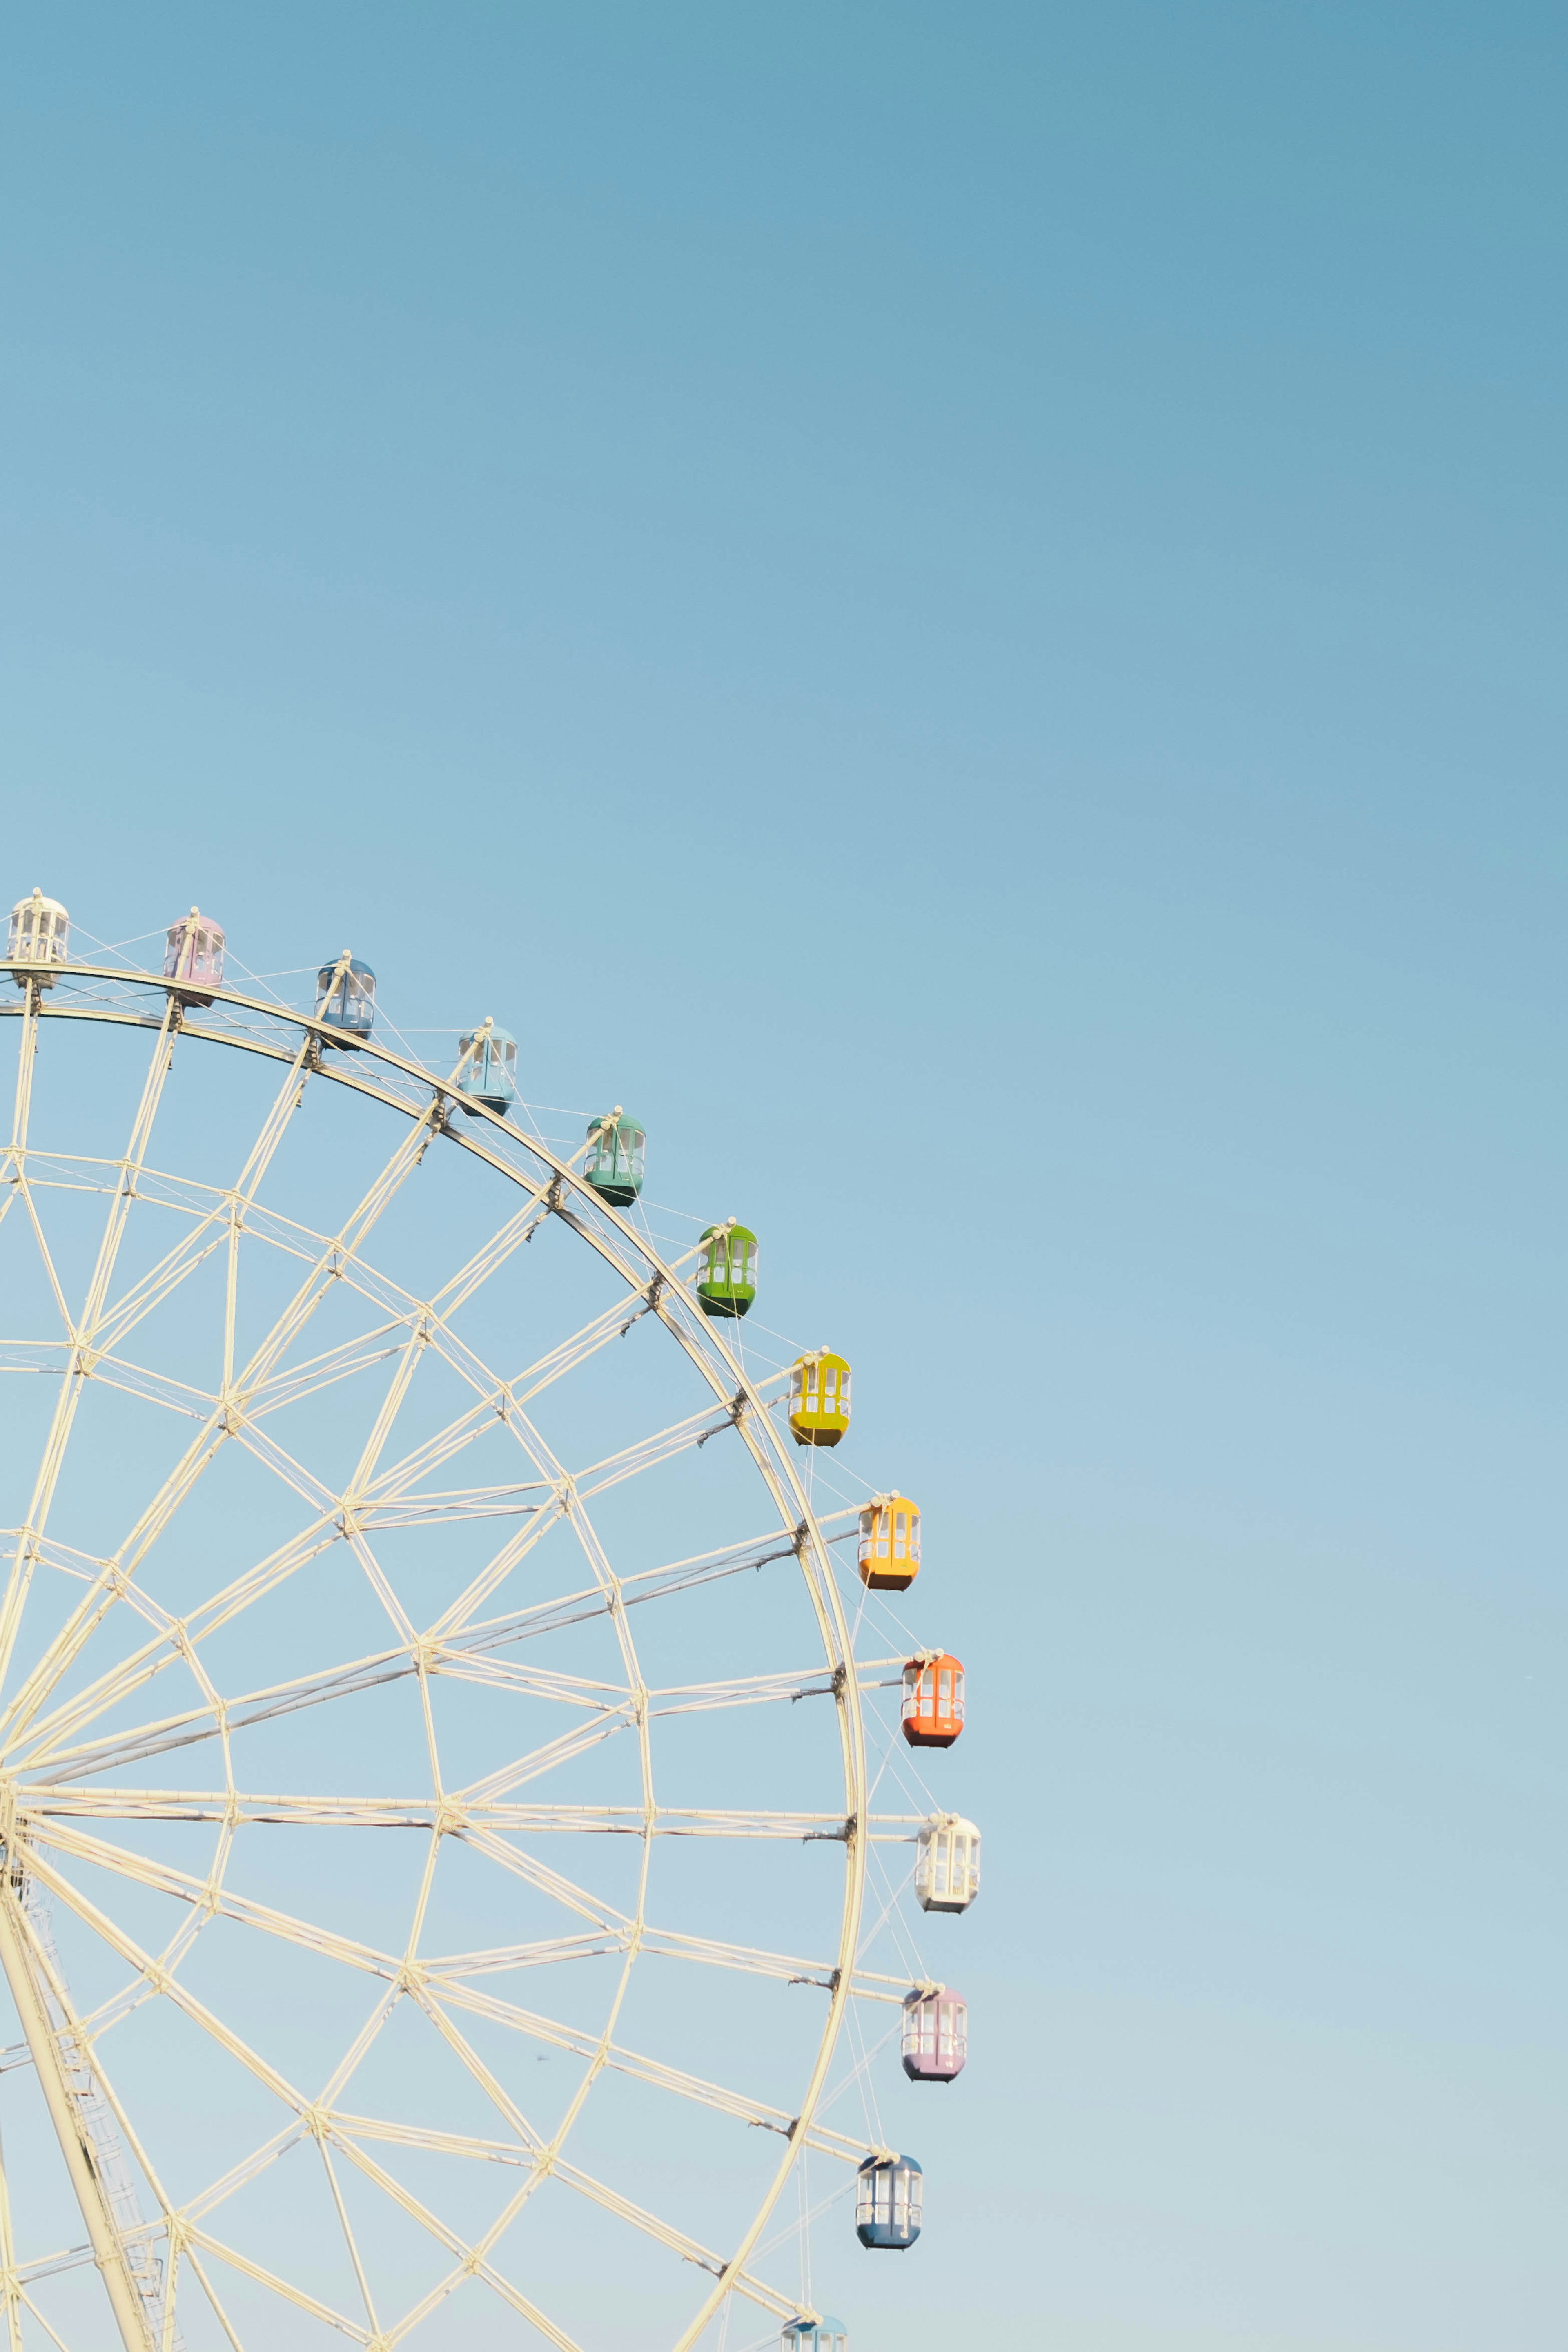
[40, 935]
[947, 1863]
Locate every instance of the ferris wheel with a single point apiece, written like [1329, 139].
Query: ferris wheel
[447, 1681]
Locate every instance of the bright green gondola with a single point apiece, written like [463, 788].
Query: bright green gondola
[726, 1270]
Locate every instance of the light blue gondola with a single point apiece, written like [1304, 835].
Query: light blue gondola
[491, 1078]
[814, 2335]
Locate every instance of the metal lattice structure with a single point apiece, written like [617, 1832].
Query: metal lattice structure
[144, 1771]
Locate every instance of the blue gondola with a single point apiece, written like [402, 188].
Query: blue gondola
[888, 2202]
[491, 1078]
[346, 999]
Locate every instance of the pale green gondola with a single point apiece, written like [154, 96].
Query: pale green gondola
[614, 1165]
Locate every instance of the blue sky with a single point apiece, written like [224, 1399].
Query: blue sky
[966, 610]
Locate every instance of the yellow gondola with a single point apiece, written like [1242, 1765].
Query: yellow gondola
[818, 1398]
[889, 1558]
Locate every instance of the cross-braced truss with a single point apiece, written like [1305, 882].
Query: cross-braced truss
[319, 1450]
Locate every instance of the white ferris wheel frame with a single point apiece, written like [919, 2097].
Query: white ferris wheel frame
[61, 2045]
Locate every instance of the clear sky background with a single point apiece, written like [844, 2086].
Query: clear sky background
[964, 607]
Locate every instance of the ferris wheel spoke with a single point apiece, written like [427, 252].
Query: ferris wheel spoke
[83, 1333]
[611, 1323]
[334, 1521]
[456, 1654]
[469, 2260]
[43, 1747]
[424, 1460]
[218, 1222]
[539, 1875]
[450, 1627]
[191, 2256]
[735, 2105]
[481, 1800]
[662, 1446]
[459, 1631]
[24, 2297]
[191, 1252]
[348, 2238]
[249, 2167]
[155, 1387]
[359, 1354]
[217, 1217]
[240, 2176]
[534, 1682]
[547, 2157]
[391, 1406]
[283, 2288]
[110, 1585]
[337, 1259]
[743, 1690]
[545, 1951]
[162, 1878]
[462, 1652]
[497, 1399]
[375, 1574]
[24, 1188]
[493, 1403]
[568, 1353]
[710, 1952]
[439, 2143]
[690, 2249]
[511, 2114]
[440, 1510]
[95, 1606]
[26, 1061]
[82, 1568]
[659, 1821]
[228, 1417]
[336, 1516]
[493, 1254]
[241, 1805]
[420, 2310]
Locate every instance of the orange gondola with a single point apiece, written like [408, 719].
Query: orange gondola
[933, 1699]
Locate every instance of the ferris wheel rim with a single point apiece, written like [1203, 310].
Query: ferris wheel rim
[322, 1053]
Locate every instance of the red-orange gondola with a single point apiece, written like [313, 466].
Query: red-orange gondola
[933, 1699]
